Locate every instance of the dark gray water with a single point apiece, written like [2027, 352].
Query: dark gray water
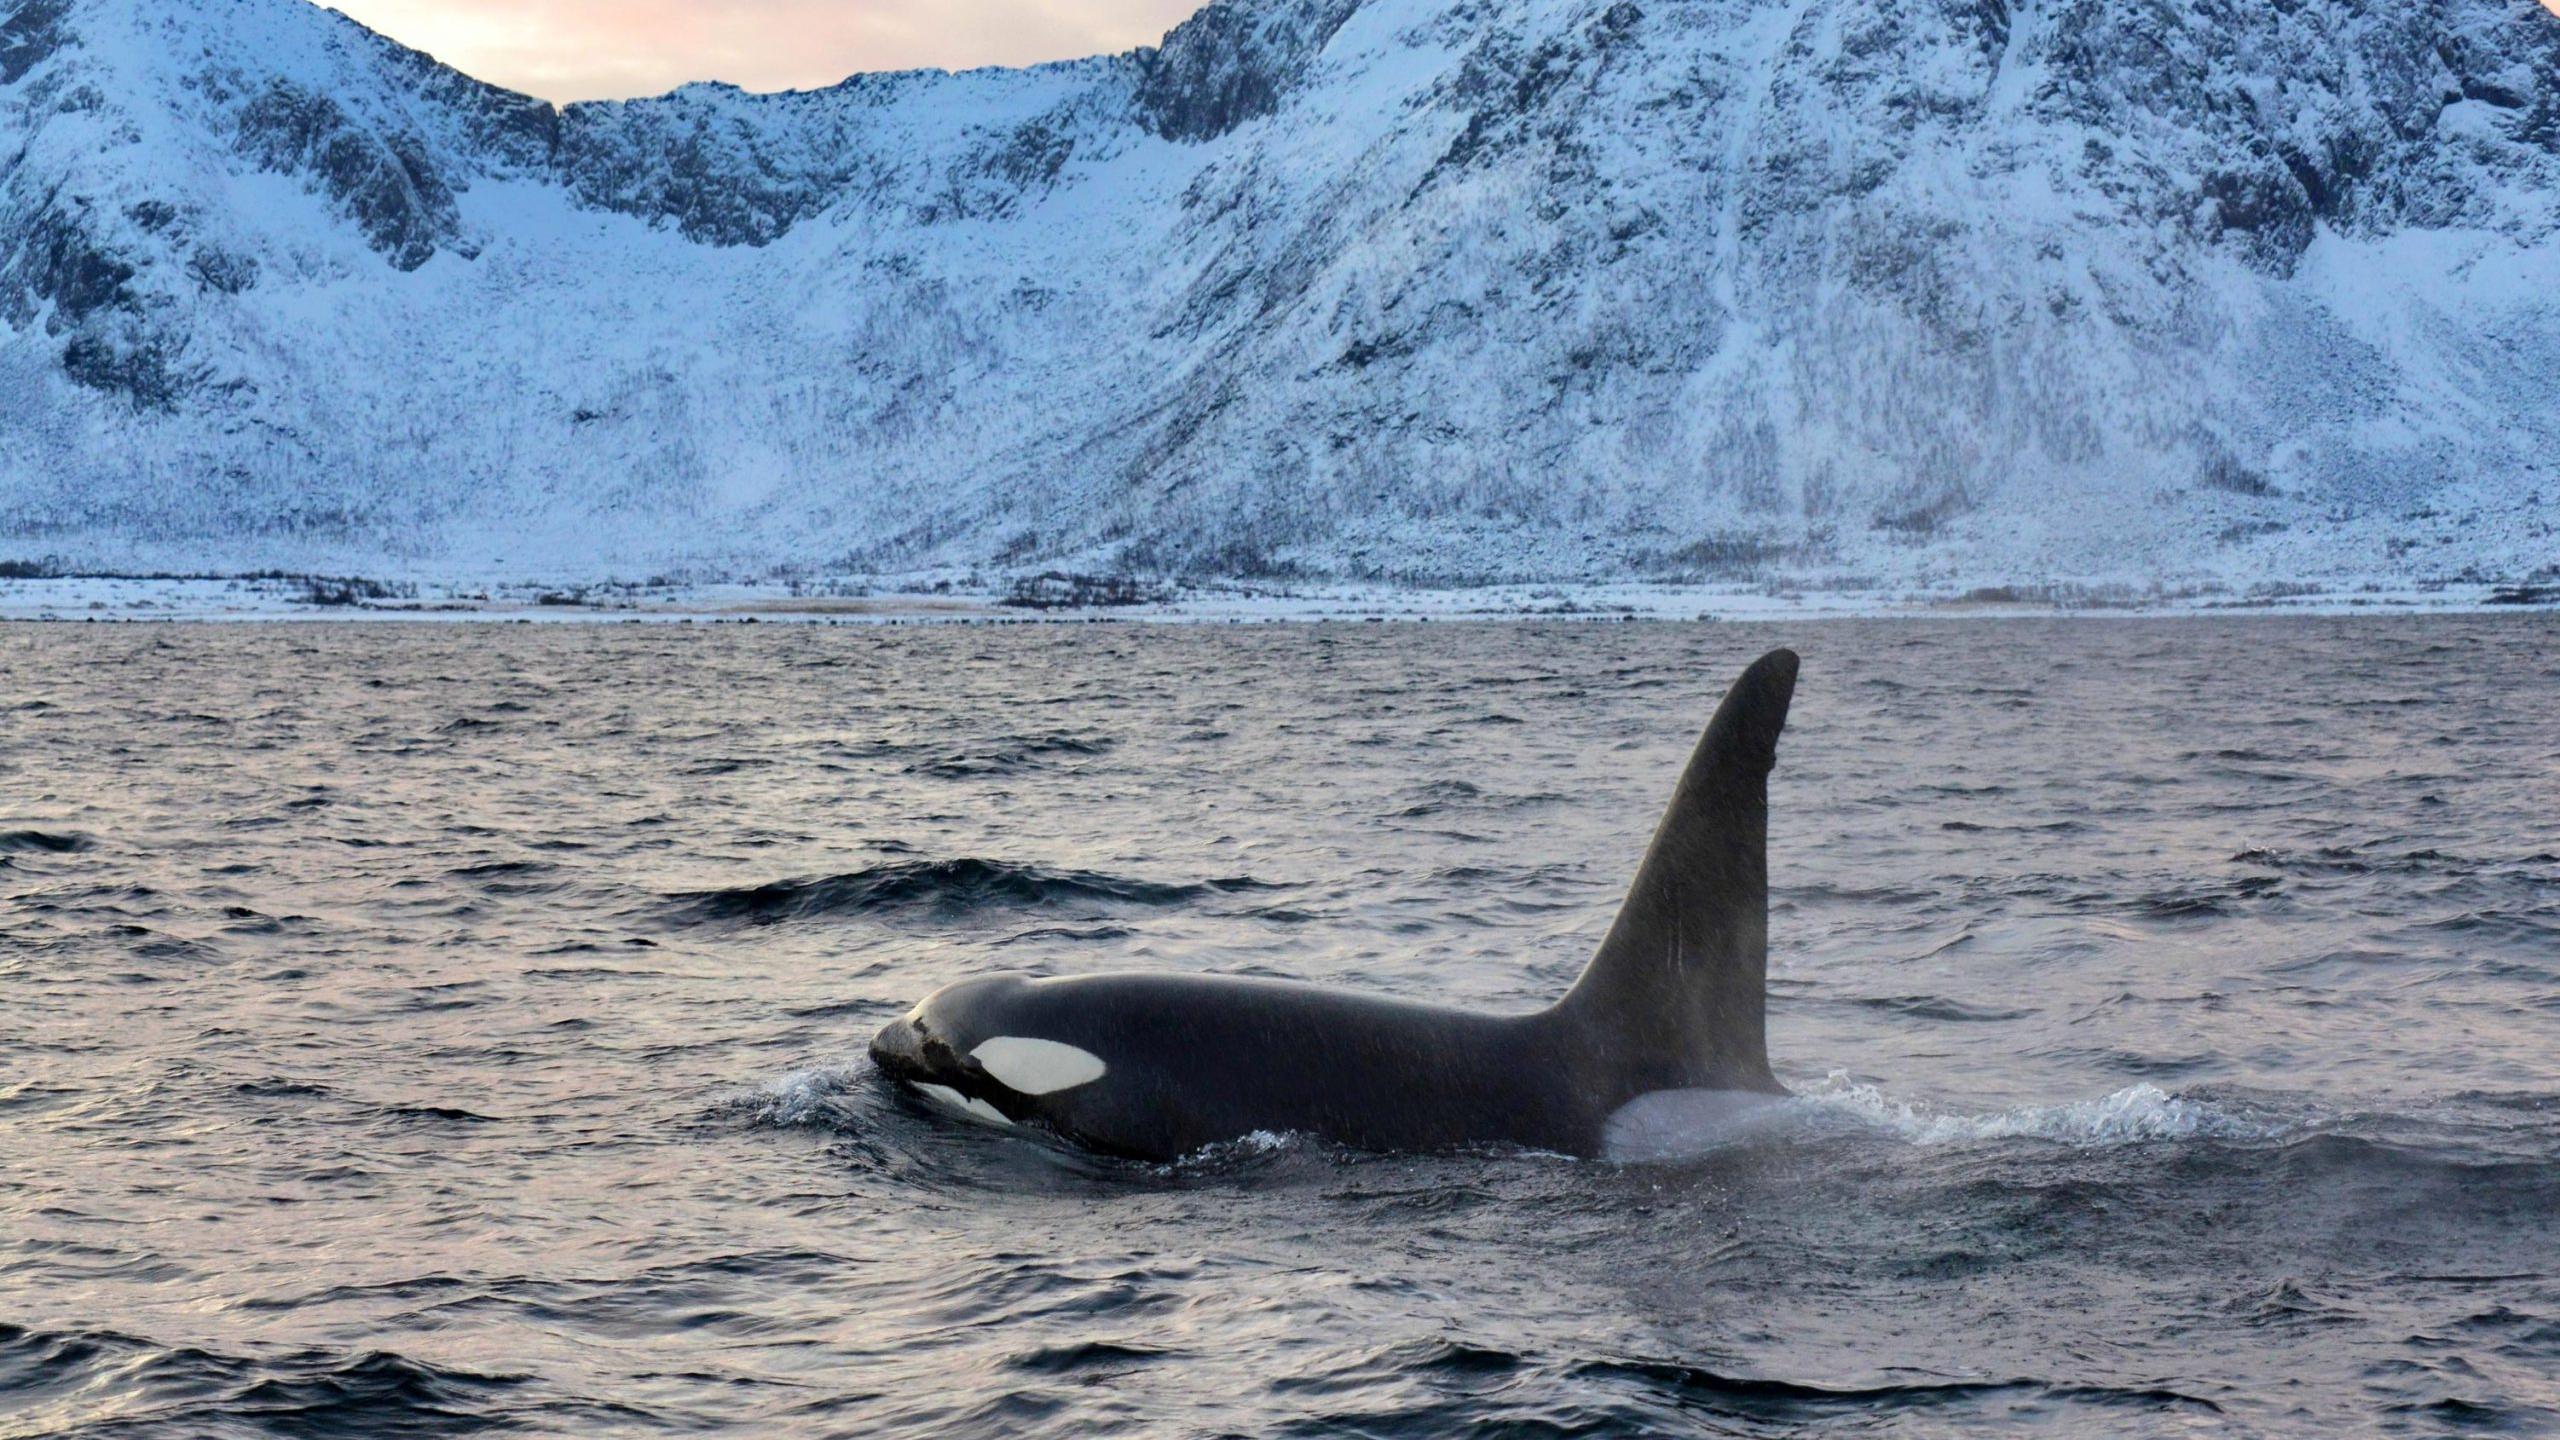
[409, 1031]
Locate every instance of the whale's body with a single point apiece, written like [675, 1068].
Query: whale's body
[1157, 1066]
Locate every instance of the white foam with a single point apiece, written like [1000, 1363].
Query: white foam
[1247, 1146]
[2135, 1113]
[802, 1096]
[1682, 1124]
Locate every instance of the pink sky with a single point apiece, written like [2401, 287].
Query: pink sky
[598, 49]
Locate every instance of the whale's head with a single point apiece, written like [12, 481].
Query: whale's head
[932, 1041]
[975, 1047]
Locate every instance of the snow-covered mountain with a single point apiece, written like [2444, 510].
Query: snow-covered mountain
[1936, 291]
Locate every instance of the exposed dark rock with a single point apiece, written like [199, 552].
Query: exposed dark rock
[30, 34]
[57, 262]
[387, 184]
[1034, 156]
[142, 370]
[1232, 62]
[2265, 209]
[513, 131]
[690, 160]
[222, 270]
[1060, 590]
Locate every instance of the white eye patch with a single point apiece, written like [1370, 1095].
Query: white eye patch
[965, 1104]
[1037, 1067]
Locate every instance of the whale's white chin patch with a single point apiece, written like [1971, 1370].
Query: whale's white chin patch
[967, 1105]
[1037, 1067]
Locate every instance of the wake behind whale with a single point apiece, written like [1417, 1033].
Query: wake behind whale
[1157, 1066]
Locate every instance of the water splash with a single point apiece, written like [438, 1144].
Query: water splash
[815, 1096]
[2135, 1114]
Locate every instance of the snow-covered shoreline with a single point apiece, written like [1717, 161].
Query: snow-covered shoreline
[273, 598]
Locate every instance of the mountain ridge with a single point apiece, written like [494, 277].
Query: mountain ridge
[1397, 290]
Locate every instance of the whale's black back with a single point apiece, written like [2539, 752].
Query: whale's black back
[1196, 1059]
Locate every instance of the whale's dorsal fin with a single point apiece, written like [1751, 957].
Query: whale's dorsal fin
[1677, 992]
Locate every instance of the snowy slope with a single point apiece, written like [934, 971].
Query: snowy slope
[1837, 291]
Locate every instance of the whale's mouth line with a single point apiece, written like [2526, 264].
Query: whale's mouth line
[909, 1053]
[925, 1084]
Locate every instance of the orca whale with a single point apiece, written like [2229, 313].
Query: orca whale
[1154, 1067]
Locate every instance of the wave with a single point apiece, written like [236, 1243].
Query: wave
[114, 1380]
[1634, 1394]
[1011, 755]
[502, 869]
[948, 887]
[1936, 1007]
[49, 842]
[2135, 1114]
[1756, 1397]
[1439, 796]
[1067, 932]
[1089, 1361]
[2201, 901]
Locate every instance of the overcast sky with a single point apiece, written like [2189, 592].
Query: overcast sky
[599, 49]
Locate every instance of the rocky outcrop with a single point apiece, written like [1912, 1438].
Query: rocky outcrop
[388, 184]
[1232, 62]
[28, 35]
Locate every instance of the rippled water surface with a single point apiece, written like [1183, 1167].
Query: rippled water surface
[426, 1030]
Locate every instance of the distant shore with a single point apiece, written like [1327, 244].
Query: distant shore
[1053, 598]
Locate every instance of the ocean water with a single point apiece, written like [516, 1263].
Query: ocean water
[442, 1030]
